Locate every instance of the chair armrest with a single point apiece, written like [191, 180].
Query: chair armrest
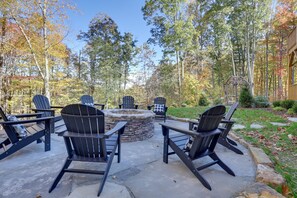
[28, 115]
[166, 108]
[117, 127]
[194, 121]
[26, 121]
[120, 106]
[77, 135]
[149, 107]
[227, 121]
[179, 129]
[192, 133]
[57, 107]
[136, 106]
[102, 105]
[43, 110]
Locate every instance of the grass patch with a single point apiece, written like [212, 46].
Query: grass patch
[186, 112]
[278, 142]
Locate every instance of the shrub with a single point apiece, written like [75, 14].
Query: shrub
[279, 109]
[295, 107]
[217, 101]
[203, 100]
[261, 102]
[276, 103]
[290, 111]
[287, 104]
[245, 97]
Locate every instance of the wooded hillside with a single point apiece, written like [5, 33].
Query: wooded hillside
[204, 44]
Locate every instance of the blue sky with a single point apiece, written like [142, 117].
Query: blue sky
[126, 13]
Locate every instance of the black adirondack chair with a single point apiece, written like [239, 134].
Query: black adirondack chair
[42, 105]
[159, 107]
[226, 124]
[128, 103]
[204, 140]
[88, 100]
[87, 141]
[35, 132]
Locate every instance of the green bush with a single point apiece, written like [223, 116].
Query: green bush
[276, 103]
[287, 104]
[261, 102]
[203, 101]
[290, 111]
[217, 101]
[245, 98]
[295, 107]
[279, 109]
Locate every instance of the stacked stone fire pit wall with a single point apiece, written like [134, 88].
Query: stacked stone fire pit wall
[140, 124]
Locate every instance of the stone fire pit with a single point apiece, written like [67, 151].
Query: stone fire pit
[140, 124]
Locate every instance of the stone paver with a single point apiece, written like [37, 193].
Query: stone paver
[256, 126]
[238, 126]
[259, 190]
[279, 124]
[292, 119]
[267, 175]
[259, 156]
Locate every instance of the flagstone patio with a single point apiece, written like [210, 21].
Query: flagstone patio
[141, 173]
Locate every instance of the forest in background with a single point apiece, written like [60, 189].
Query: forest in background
[204, 43]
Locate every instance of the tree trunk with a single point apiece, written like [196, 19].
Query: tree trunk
[266, 69]
[3, 33]
[45, 51]
[179, 77]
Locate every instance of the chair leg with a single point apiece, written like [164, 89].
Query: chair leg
[106, 171]
[165, 132]
[119, 148]
[47, 140]
[186, 160]
[231, 141]
[221, 164]
[5, 143]
[224, 142]
[60, 175]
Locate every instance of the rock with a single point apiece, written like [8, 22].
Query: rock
[278, 124]
[292, 119]
[256, 126]
[259, 156]
[259, 190]
[237, 126]
[267, 175]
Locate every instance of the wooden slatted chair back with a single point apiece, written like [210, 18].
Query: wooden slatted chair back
[128, 102]
[42, 102]
[84, 119]
[160, 100]
[209, 122]
[87, 99]
[231, 111]
[9, 129]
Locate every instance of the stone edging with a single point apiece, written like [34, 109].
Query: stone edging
[265, 174]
